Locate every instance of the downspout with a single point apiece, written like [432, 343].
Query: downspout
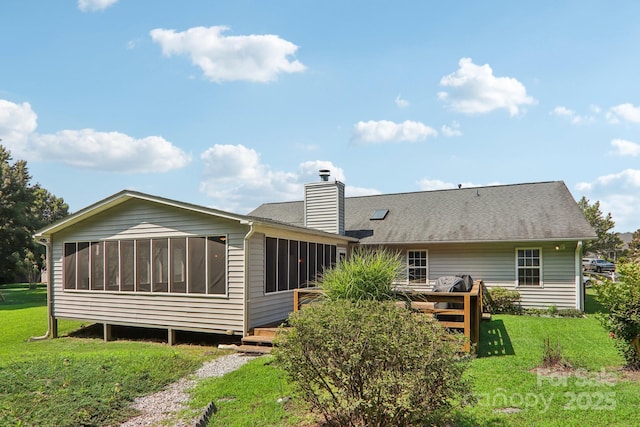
[46, 242]
[247, 264]
[579, 280]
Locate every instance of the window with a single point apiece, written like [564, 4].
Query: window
[216, 265]
[143, 265]
[160, 248]
[529, 265]
[179, 265]
[291, 264]
[127, 265]
[197, 270]
[194, 265]
[112, 267]
[417, 267]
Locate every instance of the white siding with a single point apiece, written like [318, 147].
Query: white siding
[269, 308]
[324, 206]
[140, 219]
[495, 264]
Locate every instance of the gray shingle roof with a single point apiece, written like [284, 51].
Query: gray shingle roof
[519, 212]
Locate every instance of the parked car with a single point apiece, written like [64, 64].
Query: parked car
[600, 265]
[586, 262]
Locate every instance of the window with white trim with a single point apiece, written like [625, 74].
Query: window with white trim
[529, 266]
[417, 267]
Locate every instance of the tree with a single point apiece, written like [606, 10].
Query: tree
[24, 208]
[634, 246]
[608, 242]
[621, 298]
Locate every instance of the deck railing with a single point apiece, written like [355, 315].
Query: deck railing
[463, 311]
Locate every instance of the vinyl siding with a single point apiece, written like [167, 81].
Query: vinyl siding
[495, 264]
[268, 308]
[137, 219]
[324, 206]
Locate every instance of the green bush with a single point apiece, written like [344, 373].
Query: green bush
[368, 274]
[622, 299]
[504, 300]
[370, 363]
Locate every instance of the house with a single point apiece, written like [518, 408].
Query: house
[526, 237]
[135, 259]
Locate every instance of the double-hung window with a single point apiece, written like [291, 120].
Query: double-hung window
[529, 266]
[417, 267]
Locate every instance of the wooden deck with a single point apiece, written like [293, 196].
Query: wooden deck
[463, 312]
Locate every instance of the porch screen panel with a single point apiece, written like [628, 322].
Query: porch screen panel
[197, 273]
[327, 256]
[82, 260]
[216, 265]
[312, 262]
[112, 267]
[334, 256]
[303, 268]
[283, 262]
[178, 261]
[69, 265]
[293, 265]
[97, 266]
[143, 265]
[160, 248]
[127, 265]
[271, 256]
[319, 259]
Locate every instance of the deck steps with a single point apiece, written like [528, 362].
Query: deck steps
[260, 341]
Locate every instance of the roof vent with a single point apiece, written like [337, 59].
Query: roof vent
[325, 174]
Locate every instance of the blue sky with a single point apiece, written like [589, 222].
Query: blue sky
[233, 104]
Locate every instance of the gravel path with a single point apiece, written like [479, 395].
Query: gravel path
[161, 406]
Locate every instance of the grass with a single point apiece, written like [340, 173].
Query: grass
[76, 381]
[73, 381]
[510, 391]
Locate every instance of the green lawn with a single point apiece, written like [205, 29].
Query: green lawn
[76, 381]
[73, 381]
[594, 392]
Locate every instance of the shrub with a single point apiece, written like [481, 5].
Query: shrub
[622, 299]
[370, 363]
[504, 300]
[366, 275]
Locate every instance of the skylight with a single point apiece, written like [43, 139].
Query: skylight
[379, 214]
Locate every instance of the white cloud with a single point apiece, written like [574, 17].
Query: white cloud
[624, 112]
[572, 116]
[109, 151]
[387, 131]
[255, 58]
[401, 103]
[451, 131]
[95, 5]
[17, 122]
[618, 194]
[85, 148]
[626, 148]
[237, 180]
[474, 89]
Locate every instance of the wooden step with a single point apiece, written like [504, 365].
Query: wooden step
[258, 339]
[266, 332]
[254, 349]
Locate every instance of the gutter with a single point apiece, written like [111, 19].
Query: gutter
[247, 238]
[46, 242]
